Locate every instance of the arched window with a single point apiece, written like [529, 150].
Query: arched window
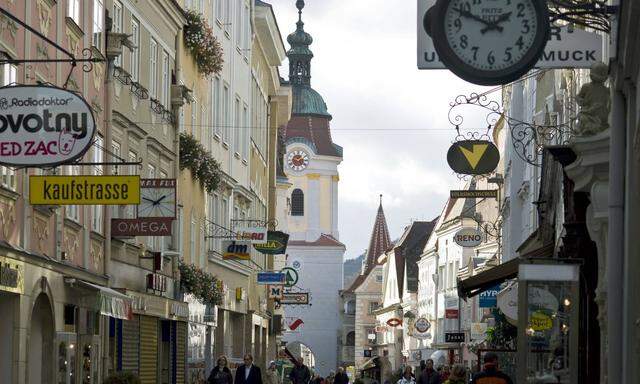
[297, 203]
[351, 339]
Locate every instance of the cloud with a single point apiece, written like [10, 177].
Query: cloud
[390, 117]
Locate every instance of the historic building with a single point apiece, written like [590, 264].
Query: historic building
[311, 166]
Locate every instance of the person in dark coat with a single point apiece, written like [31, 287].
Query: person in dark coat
[341, 377]
[220, 374]
[248, 373]
[429, 375]
[300, 374]
[491, 372]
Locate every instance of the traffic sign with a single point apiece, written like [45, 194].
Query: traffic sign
[291, 277]
[267, 278]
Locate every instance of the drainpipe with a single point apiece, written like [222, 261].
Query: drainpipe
[107, 139]
[615, 254]
[176, 164]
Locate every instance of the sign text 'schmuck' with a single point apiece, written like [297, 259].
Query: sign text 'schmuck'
[43, 125]
[84, 190]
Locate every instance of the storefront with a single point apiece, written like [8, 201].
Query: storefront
[201, 329]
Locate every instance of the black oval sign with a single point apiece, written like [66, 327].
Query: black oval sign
[473, 157]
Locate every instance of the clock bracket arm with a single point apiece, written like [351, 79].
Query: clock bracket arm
[587, 13]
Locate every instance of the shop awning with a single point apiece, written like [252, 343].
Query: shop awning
[474, 285]
[110, 302]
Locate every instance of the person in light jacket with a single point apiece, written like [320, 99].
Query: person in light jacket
[271, 375]
[407, 376]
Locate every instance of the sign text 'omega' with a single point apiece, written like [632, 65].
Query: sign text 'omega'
[473, 157]
[141, 227]
[468, 237]
[43, 125]
[84, 190]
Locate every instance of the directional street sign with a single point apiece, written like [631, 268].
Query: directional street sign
[267, 278]
[275, 291]
[298, 298]
[291, 277]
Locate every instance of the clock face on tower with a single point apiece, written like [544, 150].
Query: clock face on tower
[490, 42]
[298, 160]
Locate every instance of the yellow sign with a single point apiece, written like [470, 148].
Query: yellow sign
[84, 190]
[540, 321]
[11, 275]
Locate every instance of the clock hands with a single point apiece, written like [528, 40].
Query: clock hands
[494, 25]
[470, 15]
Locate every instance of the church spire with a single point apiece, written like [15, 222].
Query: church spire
[380, 240]
[300, 55]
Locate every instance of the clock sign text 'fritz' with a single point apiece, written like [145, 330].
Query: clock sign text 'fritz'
[43, 125]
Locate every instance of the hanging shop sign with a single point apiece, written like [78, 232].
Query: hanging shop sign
[394, 322]
[276, 243]
[487, 43]
[540, 321]
[478, 331]
[275, 291]
[489, 297]
[43, 126]
[468, 237]
[473, 157]
[157, 198]
[454, 337]
[141, 227]
[567, 47]
[255, 235]
[474, 194]
[422, 325]
[11, 275]
[451, 313]
[236, 250]
[84, 190]
[297, 298]
[270, 278]
[291, 277]
[381, 328]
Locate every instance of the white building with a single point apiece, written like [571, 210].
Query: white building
[311, 162]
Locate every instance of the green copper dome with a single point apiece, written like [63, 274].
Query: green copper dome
[306, 101]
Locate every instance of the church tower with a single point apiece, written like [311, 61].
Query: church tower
[310, 165]
[380, 241]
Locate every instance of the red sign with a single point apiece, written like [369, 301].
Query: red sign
[451, 313]
[394, 322]
[141, 227]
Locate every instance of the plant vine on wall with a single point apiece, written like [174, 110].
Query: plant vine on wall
[203, 285]
[205, 48]
[199, 161]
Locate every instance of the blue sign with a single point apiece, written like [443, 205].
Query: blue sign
[271, 278]
[489, 297]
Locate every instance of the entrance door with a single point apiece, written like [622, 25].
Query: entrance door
[40, 353]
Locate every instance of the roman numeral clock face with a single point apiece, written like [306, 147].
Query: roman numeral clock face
[490, 42]
[298, 160]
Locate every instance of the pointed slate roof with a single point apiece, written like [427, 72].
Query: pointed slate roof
[380, 241]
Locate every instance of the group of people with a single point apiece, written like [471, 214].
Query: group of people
[490, 374]
[248, 373]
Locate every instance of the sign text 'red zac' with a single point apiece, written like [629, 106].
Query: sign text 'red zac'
[43, 125]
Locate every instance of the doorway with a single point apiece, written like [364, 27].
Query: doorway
[40, 352]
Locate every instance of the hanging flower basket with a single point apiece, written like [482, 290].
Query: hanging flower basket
[203, 285]
[196, 158]
[205, 48]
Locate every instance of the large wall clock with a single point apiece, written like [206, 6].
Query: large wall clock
[298, 160]
[489, 42]
[157, 198]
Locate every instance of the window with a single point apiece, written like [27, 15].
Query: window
[224, 211]
[451, 276]
[153, 69]
[379, 279]
[130, 211]
[97, 210]
[245, 131]
[297, 203]
[73, 10]
[219, 10]
[227, 14]
[192, 239]
[117, 26]
[237, 126]
[351, 339]
[245, 31]
[239, 23]
[98, 21]
[116, 150]
[373, 306]
[134, 67]
[194, 114]
[166, 82]
[217, 104]
[151, 171]
[72, 211]
[8, 175]
[441, 277]
[225, 113]
[9, 74]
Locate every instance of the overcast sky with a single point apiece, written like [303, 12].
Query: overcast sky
[390, 117]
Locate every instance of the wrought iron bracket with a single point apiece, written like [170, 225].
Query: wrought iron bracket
[587, 13]
[255, 223]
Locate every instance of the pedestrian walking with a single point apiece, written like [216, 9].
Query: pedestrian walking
[457, 375]
[429, 375]
[300, 374]
[407, 376]
[317, 379]
[331, 378]
[221, 374]
[271, 375]
[491, 373]
[444, 375]
[248, 373]
[341, 377]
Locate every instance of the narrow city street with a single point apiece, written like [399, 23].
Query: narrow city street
[319, 191]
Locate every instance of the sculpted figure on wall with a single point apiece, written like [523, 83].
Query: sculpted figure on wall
[594, 100]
